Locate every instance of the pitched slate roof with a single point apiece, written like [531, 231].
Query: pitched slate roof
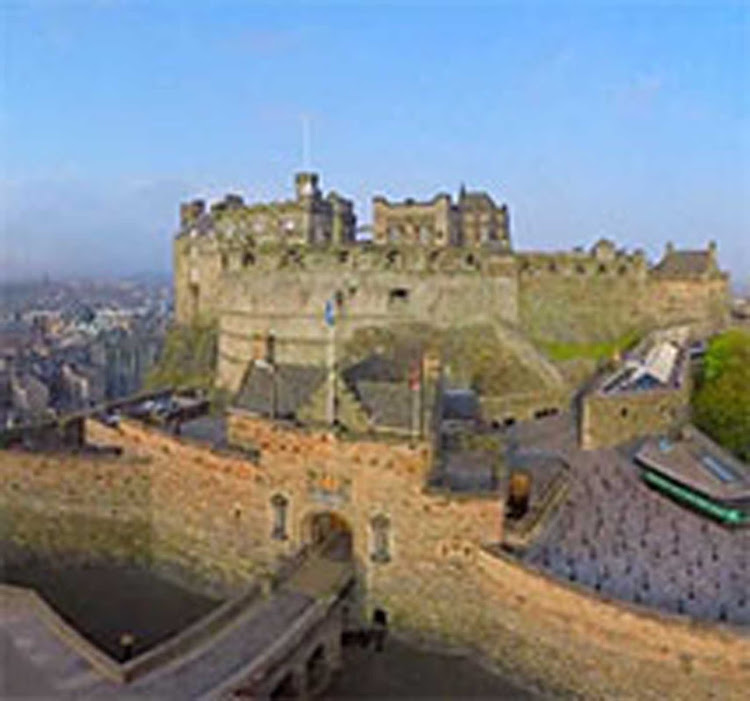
[678, 263]
[374, 368]
[295, 384]
[388, 403]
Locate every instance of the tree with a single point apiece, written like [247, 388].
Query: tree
[721, 404]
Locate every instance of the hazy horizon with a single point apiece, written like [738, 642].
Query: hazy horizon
[589, 120]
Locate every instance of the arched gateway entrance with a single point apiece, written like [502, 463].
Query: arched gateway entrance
[329, 533]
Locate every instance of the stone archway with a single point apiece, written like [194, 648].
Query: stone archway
[329, 532]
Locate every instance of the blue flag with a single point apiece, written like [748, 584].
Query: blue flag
[329, 315]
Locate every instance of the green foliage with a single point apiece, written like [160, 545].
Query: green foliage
[188, 358]
[594, 351]
[721, 404]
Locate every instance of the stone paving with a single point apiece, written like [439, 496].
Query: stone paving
[619, 537]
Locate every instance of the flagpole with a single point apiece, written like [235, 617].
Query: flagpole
[331, 362]
[331, 375]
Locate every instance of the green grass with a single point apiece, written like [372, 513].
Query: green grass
[559, 351]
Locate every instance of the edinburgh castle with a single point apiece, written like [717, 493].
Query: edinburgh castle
[266, 271]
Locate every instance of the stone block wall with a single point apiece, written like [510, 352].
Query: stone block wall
[509, 408]
[705, 301]
[68, 503]
[213, 512]
[290, 305]
[609, 419]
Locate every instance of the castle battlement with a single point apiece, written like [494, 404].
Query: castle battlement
[309, 219]
[602, 259]
[445, 262]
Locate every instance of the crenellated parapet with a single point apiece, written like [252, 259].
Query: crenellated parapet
[602, 260]
[308, 219]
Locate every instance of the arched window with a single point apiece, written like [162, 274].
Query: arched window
[279, 504]
[381, 527]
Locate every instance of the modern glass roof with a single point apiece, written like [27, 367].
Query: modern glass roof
[718, 469]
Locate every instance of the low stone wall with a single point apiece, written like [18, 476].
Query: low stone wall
[523, 406]
[599, 643]
[561, 639]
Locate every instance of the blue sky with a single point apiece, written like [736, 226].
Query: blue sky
[628, 120]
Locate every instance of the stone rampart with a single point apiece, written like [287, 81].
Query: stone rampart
[579, 298]
[290, 303]
[598, 643]
[435, 577]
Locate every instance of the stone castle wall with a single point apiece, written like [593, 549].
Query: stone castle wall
[583, 299]
[213, 512]
[569, 298]
[372, 287]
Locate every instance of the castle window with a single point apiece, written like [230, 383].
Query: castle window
[602, 268]
[580, 269]
[622, 270]
[343, 256]
[289, 225]
[394, 234]
[398, 296]
[224, 261]
[247, 259]
[380, 527]
[271, 348]
[470, 260]
[424, 235]
[279, 504]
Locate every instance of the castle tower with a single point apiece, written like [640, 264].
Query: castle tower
[306, 186]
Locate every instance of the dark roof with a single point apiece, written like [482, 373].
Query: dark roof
[684, 263]
[460, 405]
[295, 384]
[697, 462]
[388, 403]
[374, 368]
[478, 199]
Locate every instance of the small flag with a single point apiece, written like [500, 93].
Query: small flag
[329, 313]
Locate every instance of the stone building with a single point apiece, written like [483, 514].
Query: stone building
[644, 395]
[474, 220]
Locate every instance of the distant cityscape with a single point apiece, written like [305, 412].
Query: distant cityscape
[69, 345]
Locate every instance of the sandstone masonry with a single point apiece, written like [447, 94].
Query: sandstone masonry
[269, 270]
